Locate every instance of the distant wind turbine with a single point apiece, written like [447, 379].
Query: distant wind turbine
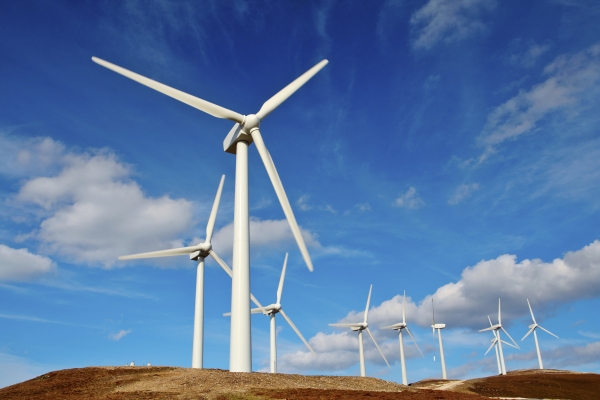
[399, 327]
[198, 253]
[532, 328]
[360, 327]
[496, 329]
[495, 346]
[439, 328]
[271, 310]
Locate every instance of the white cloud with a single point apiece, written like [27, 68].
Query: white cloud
[21, 157]
[265, 236]
[571, 79]
[464, 305]
[119, 335]
[93, 211]
[303, 203]
[565, 356]
[528, 57]
[448, 21]
[462, 192]
[410, 199]
[21, 265]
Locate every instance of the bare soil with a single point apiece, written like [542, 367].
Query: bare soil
[125, 383]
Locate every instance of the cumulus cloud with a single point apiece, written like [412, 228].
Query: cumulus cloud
[410, 199]
[448, 21]
[21, 265]
[462, 192]
[93, 211]
[571, 79]
[119, 335]
[265, 236]
[465, 305]
[21, 157]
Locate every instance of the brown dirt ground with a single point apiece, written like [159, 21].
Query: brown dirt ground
[537, 384]
[125, 383]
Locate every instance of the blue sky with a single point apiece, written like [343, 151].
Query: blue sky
[449, 149]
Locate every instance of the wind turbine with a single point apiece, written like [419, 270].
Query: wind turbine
[271, 310]
[197, 253]
[439, 328]
[532, 328]
[495, 345]
[399, 327]
[496, 329]
[244, 132]
[360, 327]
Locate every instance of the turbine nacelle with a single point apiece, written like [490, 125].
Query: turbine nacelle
[438, 326]
[203, 251]
[532, 326]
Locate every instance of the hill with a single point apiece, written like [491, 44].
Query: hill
[124, 383]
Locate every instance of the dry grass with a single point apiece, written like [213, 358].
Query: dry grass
[125, 383]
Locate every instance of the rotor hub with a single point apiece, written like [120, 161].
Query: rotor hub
[251, 123]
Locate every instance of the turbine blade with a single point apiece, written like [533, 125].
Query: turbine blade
[357, 325]
[259, 310]
[547, 331]
[404, 309]
[491, 346]
[414, 341]
[368, 301]
[489, 319]
[162, 253]
[222, 264]
[509, 344]
[499, 314]
[387, 327]
[213, 213]
[287, 91]
[511, 338]
[227, 314]
[202, 105]
[491, 328]
[289, 321]
[530, 310]
[528, 333]
[285, 204]
[376, 345]
[226, 268]
[280, 288]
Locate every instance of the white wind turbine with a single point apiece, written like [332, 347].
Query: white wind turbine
[439, 328]
[496, 329]
[399, 327]
[198, 253]
[532, 328]
[271, 310]
[360, 327]
[244, 132]
[495, 346]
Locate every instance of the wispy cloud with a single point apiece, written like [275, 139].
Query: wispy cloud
[526, 54]
[462, 192]
[119, 335]
[410, 199]
[571, 79]
[448, 21]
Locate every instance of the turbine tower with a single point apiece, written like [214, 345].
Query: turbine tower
[360, 327]
[532, 328]
[399, 327]
[271, 310]
[495, 346]
[496, 329]
[439, 328]
[197, 253]
[244, 132]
